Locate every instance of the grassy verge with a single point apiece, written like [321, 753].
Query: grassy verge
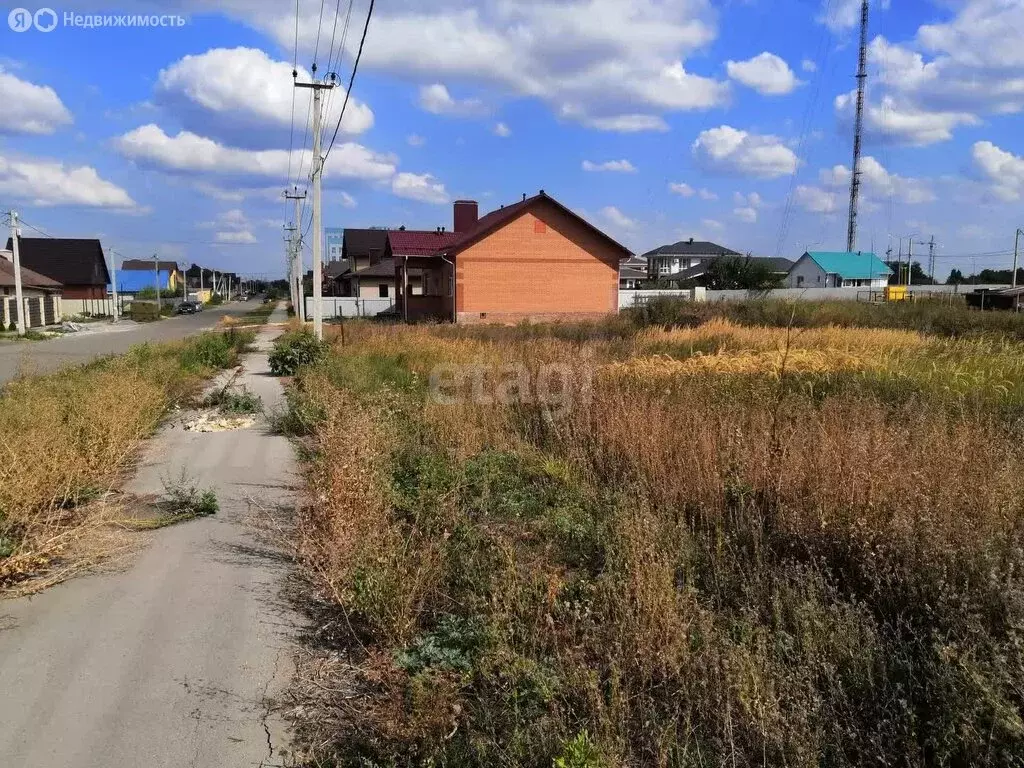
[259, 314]
[717, 545]
[66, 437]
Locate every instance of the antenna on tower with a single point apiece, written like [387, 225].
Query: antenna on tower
[858, 127]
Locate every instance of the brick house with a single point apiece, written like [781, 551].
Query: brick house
[78, 265]
[533, 260]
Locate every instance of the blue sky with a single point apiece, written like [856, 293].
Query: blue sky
[658, 120]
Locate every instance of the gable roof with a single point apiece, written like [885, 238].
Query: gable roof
[383, 268]
[361, 242]
[69, 261]
[630, 273]
[862, 265]
[29, 279]
[336, 268]
[496, 219]
[691, 248]
[135, 265]
[409, 242]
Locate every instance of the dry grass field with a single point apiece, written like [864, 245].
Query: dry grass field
[66, 438]
[694, 541]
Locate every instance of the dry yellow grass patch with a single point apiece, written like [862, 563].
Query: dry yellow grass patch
[773, 363]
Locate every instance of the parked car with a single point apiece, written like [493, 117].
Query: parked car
[189, 308]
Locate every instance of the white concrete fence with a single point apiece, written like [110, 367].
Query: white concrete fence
[39, 311]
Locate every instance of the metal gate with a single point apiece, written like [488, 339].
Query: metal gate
[34, 313]
[49, 309]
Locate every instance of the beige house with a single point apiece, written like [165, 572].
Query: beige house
[41, 295]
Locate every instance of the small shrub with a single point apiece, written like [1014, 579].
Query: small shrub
[216, 300]
[185, 501]
[230, 401]
[580, 752]
[293, 350]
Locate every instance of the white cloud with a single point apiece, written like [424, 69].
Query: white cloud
[598, 59]
[615, 166]
[707, 194]
[421, 187]
[502, 130]
[815, 199]
[347, 201]
[808, 66]
[729, 150]
[766, 73]
[625, 123]
[880, 184]
[436, 100]
[52, 182]
[245, 97]
[841, 15]
[889, 120]
[415, 140]
[29, 109]
[188, 153]
[747, 214]
[711, 224]
[877, 185]
[753, 200]
[617, 218]
[244, 237]
[681, 188]
[1004, 170]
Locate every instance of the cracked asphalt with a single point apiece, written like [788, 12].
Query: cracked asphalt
[177, 660]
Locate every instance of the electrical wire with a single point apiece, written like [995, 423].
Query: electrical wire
[351, 80]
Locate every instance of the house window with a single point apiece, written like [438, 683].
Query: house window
[799, 280]
[451, 285]
[382, 290]
[539, 227]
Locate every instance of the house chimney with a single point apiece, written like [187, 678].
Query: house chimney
[691, 241]
[466, 215]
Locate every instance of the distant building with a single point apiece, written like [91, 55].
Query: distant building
[668, 260]
[334, 242]
[838, 269]
[698, 275]
[632, 273]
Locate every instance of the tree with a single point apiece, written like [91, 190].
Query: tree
[899, 274]
[740, 273]
[956, 277]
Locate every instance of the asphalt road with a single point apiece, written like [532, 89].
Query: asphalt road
[45, 356]
[177, 660]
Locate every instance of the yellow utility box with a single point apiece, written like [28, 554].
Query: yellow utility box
[896, 293]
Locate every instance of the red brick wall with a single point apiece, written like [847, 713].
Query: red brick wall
[543, 265]
[84, 292]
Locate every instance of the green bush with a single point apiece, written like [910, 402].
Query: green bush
[214, 350]
[216, 299]
[293, 350]
[143, 311]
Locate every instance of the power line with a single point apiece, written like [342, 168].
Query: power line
[351, 80]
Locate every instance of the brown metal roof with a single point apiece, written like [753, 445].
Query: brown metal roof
[69, 261]
[420, 242]
[137, 265]
[29, 279]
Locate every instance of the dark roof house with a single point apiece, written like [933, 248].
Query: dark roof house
[77, 264]
[135, 265]
[691, 247]
[29, 279]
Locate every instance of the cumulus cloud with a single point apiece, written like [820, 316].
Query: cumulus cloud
[594, 61]
[843, 15]
[415, 140]
[901, 122]
[421, 187]
[877, 185]
[244, 96]
[815, 199]
[617, 218]
[707, 194]
[52, 182]
[438, 101]
[188, 153]
[29, 109]
[732, 151]
[614, 166]
[502, 130]
[347, 201]
[681, 188]
[766, 73]
[1003, 170]
[746, 214]
[808, 66]
[746, 206]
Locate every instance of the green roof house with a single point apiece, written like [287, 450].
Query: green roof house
[838, 269]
